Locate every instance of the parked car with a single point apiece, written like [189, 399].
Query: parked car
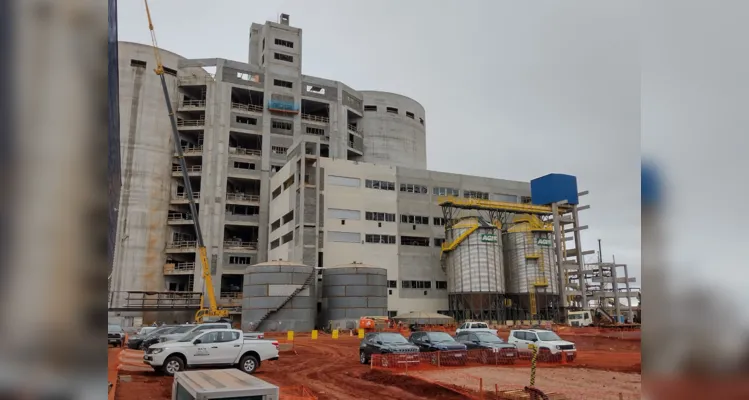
[115, 334]
[145, 330]
[440, 341]
[154, 338]
[475, 327]
[549, 343]
[387, 343]
[139, 342]
[212, 347]
[194, 328]
[493, 348]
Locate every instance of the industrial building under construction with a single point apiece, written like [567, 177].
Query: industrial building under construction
[316, 204]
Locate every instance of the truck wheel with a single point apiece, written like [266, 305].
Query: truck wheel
[172, 365]
[248, 364]
[363, 358]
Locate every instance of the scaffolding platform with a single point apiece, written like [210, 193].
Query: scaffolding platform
[153, 301]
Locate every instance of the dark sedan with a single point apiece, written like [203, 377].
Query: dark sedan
[454, 352]
[136, 342]
[492, 349]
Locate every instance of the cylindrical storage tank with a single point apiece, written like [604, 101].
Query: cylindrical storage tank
[530, 257]
[476, 264]
[352, 291]
[393, 130]
[279, 296]
[146, 153]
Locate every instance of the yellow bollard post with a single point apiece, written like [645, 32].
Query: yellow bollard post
[335, 333]
[314, 334]
[361, 334]
[290, 336]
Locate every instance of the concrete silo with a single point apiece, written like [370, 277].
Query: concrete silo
[352, 291]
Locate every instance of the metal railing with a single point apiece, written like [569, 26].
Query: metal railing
[172, 268]
[231, 295]
[315, 118]
[242, 217]
[192, 150]
[183, 196]
[192, 104]
[182, 244]
[242, 197]
[351, 144]
[354, 129]
[175, 216]
[192, 168]
[239, 244]
[139, 300]
[247, 107]
[190, 122]
[248, 152]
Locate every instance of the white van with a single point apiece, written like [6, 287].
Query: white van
[580, 318]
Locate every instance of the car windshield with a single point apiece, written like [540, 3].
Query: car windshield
[114, 328]
[480, 325]
[182, 329]
[190, 336]
[440, 337]
[489, 338]
[548, 336]
[392, 338]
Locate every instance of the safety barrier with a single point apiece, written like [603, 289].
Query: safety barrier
[298, 392]
[404, 362]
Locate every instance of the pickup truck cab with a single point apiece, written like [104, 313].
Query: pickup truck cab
[475, 327]
[549, 343]
[194, 328]
[214, 347]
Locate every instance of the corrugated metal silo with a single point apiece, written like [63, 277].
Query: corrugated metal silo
[352, 291]
[529, 253]
[279, 296]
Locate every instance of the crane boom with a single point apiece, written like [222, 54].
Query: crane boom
[213, 310]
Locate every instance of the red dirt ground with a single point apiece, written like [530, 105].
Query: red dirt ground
[330, 369]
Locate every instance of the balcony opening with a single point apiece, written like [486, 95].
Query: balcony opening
[310, 149]
[192, 96]
[315, 111]
[324, 150]
[180, 193]
[238, 238]
[193, 165]
[189, 118]
[246, 100]
[353, 122]
[242, 190]
[182, 239]
[245, 144]
[180, 213]
[178, 283]
[242, 213]
[191, 142]
[181, 264]
[231, 283]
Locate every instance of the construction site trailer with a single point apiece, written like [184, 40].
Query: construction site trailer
[221, 384]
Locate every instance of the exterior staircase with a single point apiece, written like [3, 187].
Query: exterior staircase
[298, 290]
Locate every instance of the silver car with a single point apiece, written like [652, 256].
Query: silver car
[195, 328]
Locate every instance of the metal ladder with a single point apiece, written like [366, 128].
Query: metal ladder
[287, 300]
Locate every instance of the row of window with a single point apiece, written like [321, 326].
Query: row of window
[417, 284]
[336, 213]
[421, 189]
[393, 110]
[376, 238]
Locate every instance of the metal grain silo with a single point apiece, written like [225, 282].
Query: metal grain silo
[473, 262]
[352, 291]
[279, 296]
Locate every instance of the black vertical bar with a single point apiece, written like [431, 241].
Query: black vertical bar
[114, 129]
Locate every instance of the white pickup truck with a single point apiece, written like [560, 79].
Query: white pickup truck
[475, 327]
[214, 347]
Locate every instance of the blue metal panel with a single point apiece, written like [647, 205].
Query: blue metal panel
[282, 105]
[553, 188]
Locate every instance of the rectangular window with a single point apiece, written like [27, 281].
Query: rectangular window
[339, 213]
[410, 188]
[439, 221]
[421, 121]
[416, 284]
[525, 199]
[280, 83]
[381, 185]
[315, 89]
[392, 110]
[370, 108]
[279, 149]
[315, 131]
[445, 191]
[170, 71]
[343, 181]
[393, 284]
[381, 239]
[507, 198]
[379, 216]
[414, 241]
[283, 57]
[440, 284]
[239, 260]
[247, 77]
[475, 194]
[344, 237]
[410, 114]
[138, 63]
[438, 242]
[414, 219]
[243, 165]
[284, 43]
[283, 125]
[246, 120]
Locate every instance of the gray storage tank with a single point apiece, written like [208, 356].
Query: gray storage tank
[352, 291]
[279, 296]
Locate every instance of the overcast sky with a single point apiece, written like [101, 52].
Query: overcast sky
[512, 89]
